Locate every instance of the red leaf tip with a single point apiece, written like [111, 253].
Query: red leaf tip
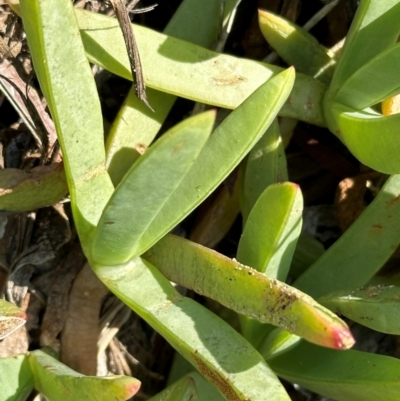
[132, 388]
[343, 339]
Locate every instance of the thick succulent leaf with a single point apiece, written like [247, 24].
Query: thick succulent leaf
[265, 165]
[11, 318]
[270, 235]
[345, 376]
[373, 82]
[67, 82]
[296, 46]
[268, 241]
[183, 390]
[247, 291]
[376, 307]
[229, 144]
[362, 250]
[58, 382]
[16, 378]
[135, 126]
[191, 71]
[371, 137]
[374, 28]
[214, 348]
[27, 190]
[138, 201]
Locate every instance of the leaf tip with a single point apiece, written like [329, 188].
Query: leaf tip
[342, 338]
[132, 388]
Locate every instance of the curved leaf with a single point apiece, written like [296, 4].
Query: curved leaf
[362, 250]
[11, 318]
[190, 71]
[218, 352]
[376, 307]
[296, 46]
[374, 28]
[123, 229]
[68, 84]
[16, 378]
[346, 376]
[270, 235]
[247, 291]
[183, 390]
[265, 165]
[229, 144]
[373, 82]
[58, 382]
[269, 239]
[371, 137]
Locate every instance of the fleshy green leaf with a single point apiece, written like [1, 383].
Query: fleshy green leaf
[191, 71]
[362, 250]
[266, 165]
[228, 145]
[58, 382]
[374, 28]
[376, 307]
[183, 390]
[345, 376]
[218, 352]
[371, 137]
[11, 318]
[269, 239]
[16, 379]
[247, 291]
[270, 235]
[136, 126]
[296, 46]
[138, 201]
[373, 82]
[66, 80]
[27, 190]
